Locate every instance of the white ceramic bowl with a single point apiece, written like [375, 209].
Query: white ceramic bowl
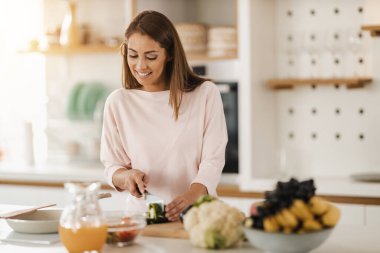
[38, 222]
[286, 243]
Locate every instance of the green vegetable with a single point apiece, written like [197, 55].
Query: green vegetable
[156, 214]
[214, 240]
[203, 199]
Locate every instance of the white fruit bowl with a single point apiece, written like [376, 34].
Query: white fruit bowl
[286, 243]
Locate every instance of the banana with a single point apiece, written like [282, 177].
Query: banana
[331, 217]
[311, 225]
[318, 206]
[289, 218]
[280, 219]
[301, 210]
[301, 231]
[288, 230]
[271, 224]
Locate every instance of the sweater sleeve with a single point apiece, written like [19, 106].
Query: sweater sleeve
[215, 139]
[112, 152]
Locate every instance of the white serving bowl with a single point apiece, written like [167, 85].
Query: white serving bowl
[286, 243]
[37, 222]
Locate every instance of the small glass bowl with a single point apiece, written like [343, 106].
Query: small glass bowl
[123, 228]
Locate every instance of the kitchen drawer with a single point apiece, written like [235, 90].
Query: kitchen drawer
[31, 195]
[372, 215]
[34, 195]
[351, 214]
[243, 204]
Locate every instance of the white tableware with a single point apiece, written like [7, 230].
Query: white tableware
[23, 211]
[38, 222]
[286, 243]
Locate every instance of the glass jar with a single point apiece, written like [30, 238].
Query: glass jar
[82, 226]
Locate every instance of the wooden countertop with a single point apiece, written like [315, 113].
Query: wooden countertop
[223, 191]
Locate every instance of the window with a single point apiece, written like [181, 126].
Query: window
[22, 87]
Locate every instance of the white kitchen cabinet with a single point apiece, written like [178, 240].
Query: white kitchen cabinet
[34, 195]
[351, 214]
[243, 204]
[31, 195]
[372, 215]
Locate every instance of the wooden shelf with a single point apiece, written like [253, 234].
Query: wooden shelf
[355, 82]
[89, 49]
[205, 57]
[95, 49]
[373, 29]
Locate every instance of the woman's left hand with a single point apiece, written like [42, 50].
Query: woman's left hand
[181, 202]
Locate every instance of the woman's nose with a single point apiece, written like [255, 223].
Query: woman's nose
[141, 63]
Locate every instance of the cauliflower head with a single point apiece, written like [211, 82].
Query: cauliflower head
[214, 225]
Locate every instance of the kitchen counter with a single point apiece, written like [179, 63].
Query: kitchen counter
[345, 238]
[343, 190]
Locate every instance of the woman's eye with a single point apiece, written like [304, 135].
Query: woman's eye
[132, 56]
[152, 58]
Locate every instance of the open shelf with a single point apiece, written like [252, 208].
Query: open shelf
[354, 82]
[205, 57]
[85, 49]
[95, 49]
[373, 29]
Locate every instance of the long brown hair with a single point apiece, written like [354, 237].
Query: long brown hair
[178, 75]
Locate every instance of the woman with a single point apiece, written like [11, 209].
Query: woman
[164, 132]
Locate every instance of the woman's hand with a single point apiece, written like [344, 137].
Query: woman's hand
[132, 180]
[181, 202]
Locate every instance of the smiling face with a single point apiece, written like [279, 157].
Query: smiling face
[146, 61]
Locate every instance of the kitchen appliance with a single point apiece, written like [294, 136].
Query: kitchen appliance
[229, 93]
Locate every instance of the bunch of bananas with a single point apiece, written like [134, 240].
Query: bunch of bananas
[293, 208]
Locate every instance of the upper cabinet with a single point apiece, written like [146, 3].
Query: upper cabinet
[206, 35]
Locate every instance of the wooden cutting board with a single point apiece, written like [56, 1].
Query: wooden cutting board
[168, 230]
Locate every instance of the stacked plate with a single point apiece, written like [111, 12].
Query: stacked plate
[222, 41]
[83, 99]
[193, 37]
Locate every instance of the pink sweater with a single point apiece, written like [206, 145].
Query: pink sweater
[139, 131]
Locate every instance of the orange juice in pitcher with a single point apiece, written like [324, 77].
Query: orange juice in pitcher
[82, 226]
[83, 239]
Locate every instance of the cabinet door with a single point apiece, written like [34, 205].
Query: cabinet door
[351, 214]
[372, 215]
[243, 204]
[30, 195]
[34, 195]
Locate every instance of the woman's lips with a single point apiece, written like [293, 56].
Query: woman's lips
[143, 74]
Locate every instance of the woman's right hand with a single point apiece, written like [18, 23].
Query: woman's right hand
[132, 180]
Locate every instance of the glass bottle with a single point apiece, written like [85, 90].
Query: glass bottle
[82, 226]
[69, 30]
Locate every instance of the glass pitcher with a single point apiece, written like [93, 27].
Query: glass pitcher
[82, 226]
